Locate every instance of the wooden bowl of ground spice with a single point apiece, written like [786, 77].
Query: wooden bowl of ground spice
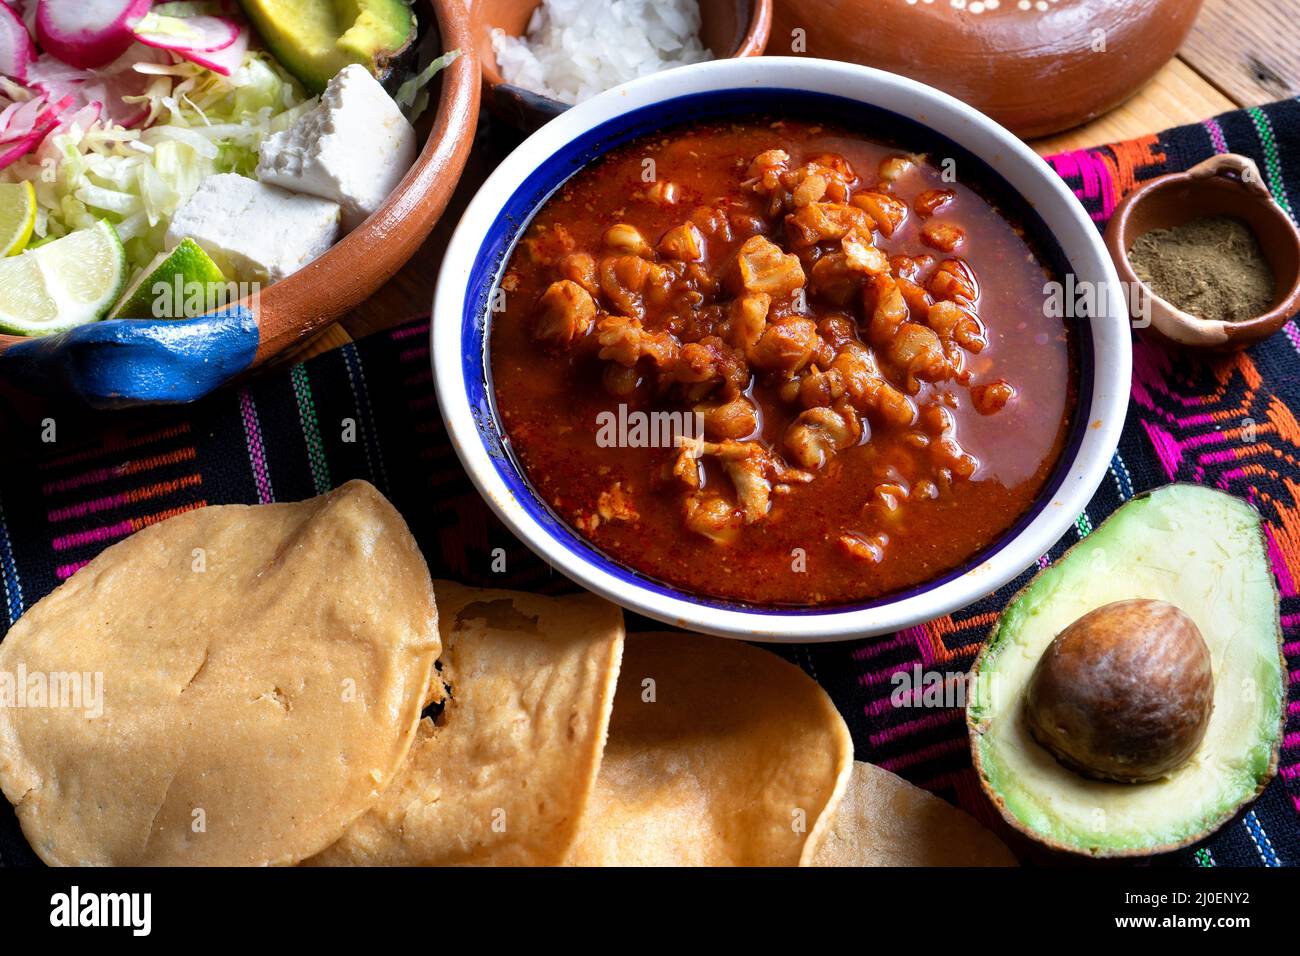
[1215, 259]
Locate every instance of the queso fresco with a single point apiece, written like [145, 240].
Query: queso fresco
[861, 386]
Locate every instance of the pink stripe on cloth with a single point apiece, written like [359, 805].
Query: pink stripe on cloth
[92, 536]
[940, 749]
[112, 444]
[65, 571]
[884, 676]
[921, 638]
[86, 478]
[1209, 438]
[114, 472]
[1285, 583]
[88, 507]
[1220, 457]
[940, 718]
[1227, 479]
[1293, 334]
[407, 331]
[878, 647]
[256, 450]
[1166, 449]
[1216, 135]
[111, 502]
[1094, 176]
[879, 706]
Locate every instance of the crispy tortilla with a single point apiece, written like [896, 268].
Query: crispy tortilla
[719, 753]
[504, 774]
[263, 669]
[886, 821]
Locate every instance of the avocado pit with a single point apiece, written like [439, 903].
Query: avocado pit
[1124, 693]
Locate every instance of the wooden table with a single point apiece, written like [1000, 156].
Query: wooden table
[1241, 53]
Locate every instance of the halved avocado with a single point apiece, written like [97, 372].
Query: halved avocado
[314, 39]
[1204, 552]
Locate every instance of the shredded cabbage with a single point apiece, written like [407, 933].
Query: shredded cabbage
[203, 123]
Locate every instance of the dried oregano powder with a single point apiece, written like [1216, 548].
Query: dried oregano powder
[1212, 268]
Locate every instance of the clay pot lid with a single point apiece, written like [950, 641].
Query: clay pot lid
[1224, 185]
[1035, 67]
[730, 28]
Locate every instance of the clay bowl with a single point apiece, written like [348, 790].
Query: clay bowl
[1036, 71]
[1229, 185]
[369, 256]
[130, 362]
[730, 28]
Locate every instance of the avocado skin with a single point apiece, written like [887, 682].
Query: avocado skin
[393, 69]
[975, 728]
[294, 32]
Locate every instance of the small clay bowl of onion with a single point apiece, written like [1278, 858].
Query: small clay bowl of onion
[1239, 281]
[727, 29]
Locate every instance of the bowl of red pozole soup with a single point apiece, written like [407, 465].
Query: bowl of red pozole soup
[781, 349]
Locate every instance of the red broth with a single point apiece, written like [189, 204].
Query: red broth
[851, 447]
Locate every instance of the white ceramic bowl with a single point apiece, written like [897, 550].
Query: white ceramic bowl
[775, 85]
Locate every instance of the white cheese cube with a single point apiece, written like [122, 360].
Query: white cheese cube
[252, 231]
[353, 148]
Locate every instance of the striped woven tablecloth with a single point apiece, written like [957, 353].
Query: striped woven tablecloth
[1229, 423]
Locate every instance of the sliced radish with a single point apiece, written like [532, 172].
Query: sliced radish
[225, 61]
[187, 34]
[16, 47]
[19, 119]
[55, 79]
[26, 10]
[85, 118]
[7, 114]
[48, 74]
[121, 79]
[28, 127]
[31, 115]
[106, 87]
[88, 33]
[10, 153]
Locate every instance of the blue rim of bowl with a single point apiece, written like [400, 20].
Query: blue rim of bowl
[549, 175]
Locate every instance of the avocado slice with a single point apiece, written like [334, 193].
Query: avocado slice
[314, 39]
[1196, 548]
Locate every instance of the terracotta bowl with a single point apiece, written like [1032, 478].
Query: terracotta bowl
[730, 28]
[369, 256]
[1228, 185]
[131, 361]
[1036, 68]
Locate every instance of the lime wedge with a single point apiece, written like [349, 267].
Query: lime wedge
[17, 217]
[180, 284]
[64, 283]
